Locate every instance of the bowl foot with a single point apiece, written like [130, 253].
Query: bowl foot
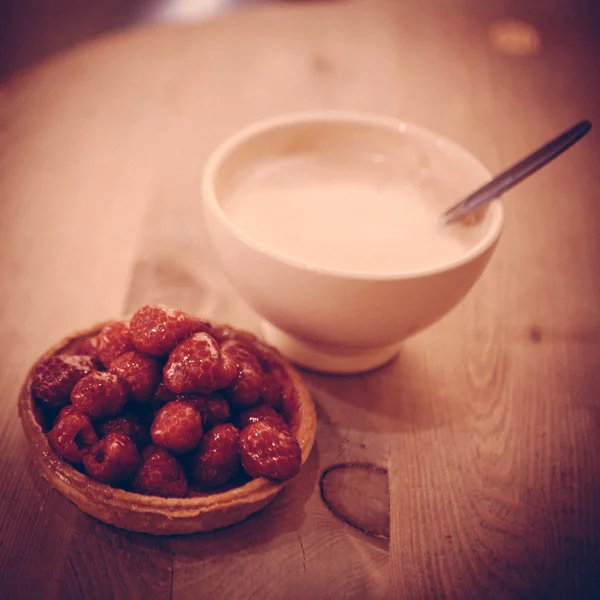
[327, 359]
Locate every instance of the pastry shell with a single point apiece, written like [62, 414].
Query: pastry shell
[153, 514]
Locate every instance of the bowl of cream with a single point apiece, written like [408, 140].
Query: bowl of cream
[328, 224]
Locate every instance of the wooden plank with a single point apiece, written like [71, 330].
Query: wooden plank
[103, 562]
[68, 248]
[512, 449]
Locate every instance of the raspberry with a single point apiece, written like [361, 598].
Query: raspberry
[177, 427]
[150, 451]
[196, 366]
[160, 475]
[72, 436]
[69, 409]
[86, 346]
[213, 408]
[99, 394]
[162, 395]
[268, 356]
[114, 340]
[156, 329]
[217, 459]
[247, 386]
[200, 326]
[276, 385]
[139, 371]
[130, 426]
[112, 460]
[268, 451]
[55, 377]
[262, 412]
[223, 333]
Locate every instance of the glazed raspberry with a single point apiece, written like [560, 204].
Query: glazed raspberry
[269, 451]
[130, 426]
[87, 346]
[268, 356]
[247, 386]
[213, 408]
[262, 412]
[114, 340]
[223, 333]
[72, 436]
[113, 460]
[55, 377]
[177, 427]
[156, 329]
[200, 326]
[160, 475]
[139, 371]
[69, 409]
[276, 384]
[100, 394]
[217, 459]
[196, 366]
[150, 451]
[162, 395]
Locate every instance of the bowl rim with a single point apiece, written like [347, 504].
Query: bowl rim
[61, 472]
[231, 143]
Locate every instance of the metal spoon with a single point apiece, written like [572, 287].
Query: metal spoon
[515, 174]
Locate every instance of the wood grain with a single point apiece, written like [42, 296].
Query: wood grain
[487, 424]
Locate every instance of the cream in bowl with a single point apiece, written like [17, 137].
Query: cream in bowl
[328, 224]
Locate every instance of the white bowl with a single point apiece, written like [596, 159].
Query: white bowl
[333, 320]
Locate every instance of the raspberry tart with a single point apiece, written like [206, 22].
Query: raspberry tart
[166, 424]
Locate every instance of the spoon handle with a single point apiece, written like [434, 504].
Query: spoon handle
[519, 171]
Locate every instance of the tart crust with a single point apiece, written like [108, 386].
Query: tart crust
[154, 514]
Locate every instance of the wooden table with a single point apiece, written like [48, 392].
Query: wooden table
[484, 433]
